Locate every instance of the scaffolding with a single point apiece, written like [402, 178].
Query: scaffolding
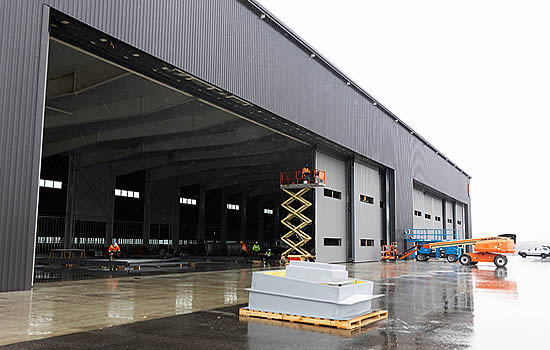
[296, 185]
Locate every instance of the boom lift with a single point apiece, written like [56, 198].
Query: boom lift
[296, 184]
[389, 251]
[490, 249]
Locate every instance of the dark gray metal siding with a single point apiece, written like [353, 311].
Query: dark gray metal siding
[226, 44]
[222, 42]
[22, 79]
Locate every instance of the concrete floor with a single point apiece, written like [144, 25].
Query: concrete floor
[431, 305]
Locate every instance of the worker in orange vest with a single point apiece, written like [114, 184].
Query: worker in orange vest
[305, 174]
[244, 251]
[114, 251]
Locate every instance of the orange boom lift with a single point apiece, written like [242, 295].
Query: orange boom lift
[489, 249]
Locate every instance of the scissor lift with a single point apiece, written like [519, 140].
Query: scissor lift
[296, 184]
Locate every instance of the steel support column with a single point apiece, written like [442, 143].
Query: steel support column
[111, 207]
[147, 209]
[243, 232]
[223, 225]
[68, 238]
[201, 230]
[175, 230]
[261, 227]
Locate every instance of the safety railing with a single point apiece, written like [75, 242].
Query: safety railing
[128, 235]
[313, 176]
[50, 231]
[432, 235]
[89, 235]
[160, 236]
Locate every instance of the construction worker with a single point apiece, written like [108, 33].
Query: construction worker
[243, 249]
[256, 248]
[306, 174]
[266, 256]
[114, 251]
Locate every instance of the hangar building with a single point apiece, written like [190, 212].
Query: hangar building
[165, 124]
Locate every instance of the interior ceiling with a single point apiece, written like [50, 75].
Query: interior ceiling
[102, 113]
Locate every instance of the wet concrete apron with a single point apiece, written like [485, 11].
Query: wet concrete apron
[431, 305]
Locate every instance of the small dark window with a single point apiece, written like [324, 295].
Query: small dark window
[450, 221]
[382, 204]
[417, 213]
[428, 216]
[438, 218]
[333, 194]
[367, 242]
[366, 199]
[458, 222]
[333, 241]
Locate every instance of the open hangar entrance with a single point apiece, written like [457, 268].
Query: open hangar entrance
[142, 153]
[156, 161]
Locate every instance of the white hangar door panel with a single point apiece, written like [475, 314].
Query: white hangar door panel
[428, 213]
[437, 216]
[418, 208]
[330, 211]
[449, 215]
[460, 219]
[369, 214]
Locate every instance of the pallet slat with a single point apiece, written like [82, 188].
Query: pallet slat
[354, 323]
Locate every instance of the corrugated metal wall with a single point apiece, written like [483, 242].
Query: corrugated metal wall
[22, 70]
[331, 219]
[222, 42]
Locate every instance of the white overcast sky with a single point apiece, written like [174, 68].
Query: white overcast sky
[472, 77]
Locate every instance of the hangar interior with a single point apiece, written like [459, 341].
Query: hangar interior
[129, 159]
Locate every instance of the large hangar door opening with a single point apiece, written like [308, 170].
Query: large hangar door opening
[129, 159]
[370, 214]
[330, 211]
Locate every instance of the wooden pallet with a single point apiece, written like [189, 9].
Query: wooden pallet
[354, 323]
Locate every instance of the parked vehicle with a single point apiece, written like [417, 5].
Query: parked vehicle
[543, 252]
